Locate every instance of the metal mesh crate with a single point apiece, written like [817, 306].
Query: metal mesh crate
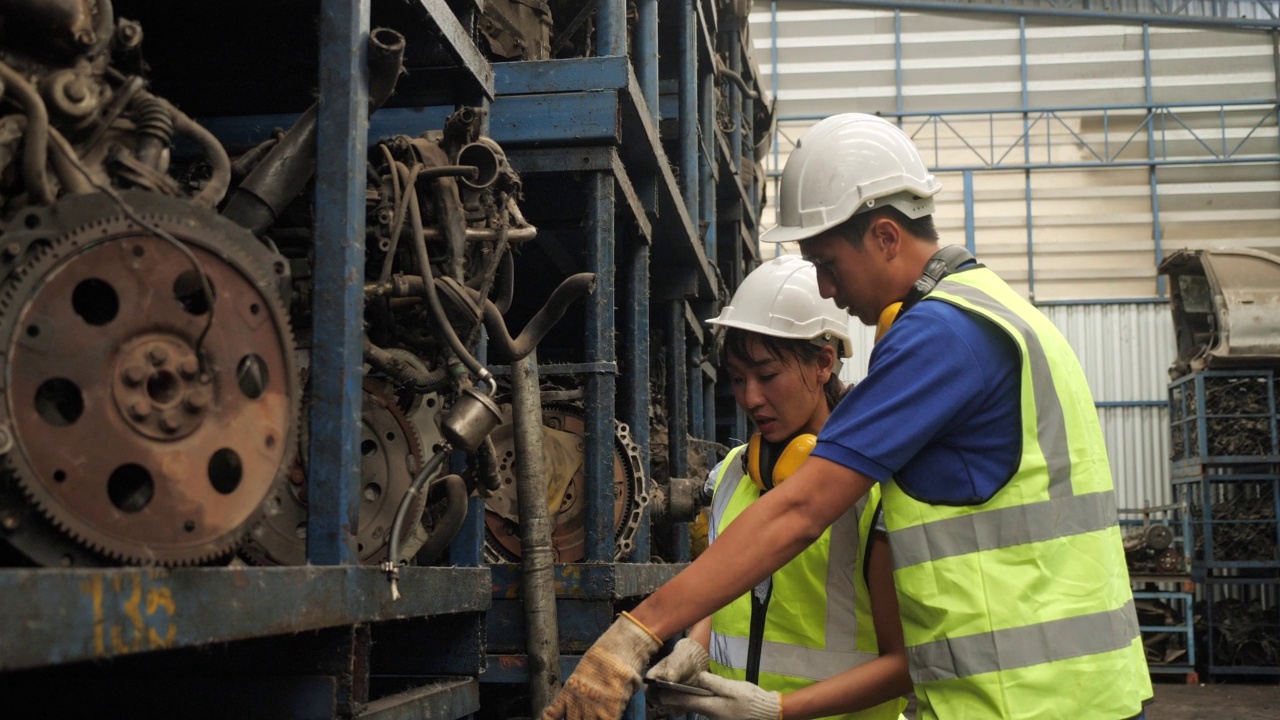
[1239, 628]
[1218, 416]
[1232, 520]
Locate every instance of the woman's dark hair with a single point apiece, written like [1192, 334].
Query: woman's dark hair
[785, 350]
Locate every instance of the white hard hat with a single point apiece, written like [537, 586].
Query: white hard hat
[845, 165]
[780, 299]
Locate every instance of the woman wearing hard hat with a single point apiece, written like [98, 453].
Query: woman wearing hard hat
[821, 636]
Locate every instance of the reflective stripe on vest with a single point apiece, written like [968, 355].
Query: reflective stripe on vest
[1021, 606]
[818, 622]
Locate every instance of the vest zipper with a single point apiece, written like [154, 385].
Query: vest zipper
[755, 643]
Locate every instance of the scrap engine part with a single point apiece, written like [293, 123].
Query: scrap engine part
[564, 438]
[148, 423]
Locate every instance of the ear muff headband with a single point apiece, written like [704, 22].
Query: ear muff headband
[769, 464]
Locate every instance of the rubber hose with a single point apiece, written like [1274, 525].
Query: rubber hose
[393, 545]
[454, 515]
[403, 372]
[569, 290]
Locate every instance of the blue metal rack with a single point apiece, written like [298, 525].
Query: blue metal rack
[1177, 634]
[1224, 417]
[667, 221]
[204, 631]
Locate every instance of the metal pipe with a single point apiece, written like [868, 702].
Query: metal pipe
[283, 174]
[537, 560]
[36, 142]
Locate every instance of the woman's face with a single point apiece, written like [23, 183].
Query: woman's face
[782, 396]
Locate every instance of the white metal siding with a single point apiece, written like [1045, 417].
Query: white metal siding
[1093, 230]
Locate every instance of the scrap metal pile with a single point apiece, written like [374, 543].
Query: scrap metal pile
[155, 313]
[1245, 633]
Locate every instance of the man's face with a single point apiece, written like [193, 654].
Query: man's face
[848, 274]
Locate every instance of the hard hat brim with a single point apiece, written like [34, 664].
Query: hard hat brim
[793, 233]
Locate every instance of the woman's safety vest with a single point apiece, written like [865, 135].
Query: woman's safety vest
[1021, 607]
[816, 619]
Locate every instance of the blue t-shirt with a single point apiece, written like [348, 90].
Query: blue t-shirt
[939, 410]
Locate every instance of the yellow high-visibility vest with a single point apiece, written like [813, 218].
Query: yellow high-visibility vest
[818, 622]
[1021, 607]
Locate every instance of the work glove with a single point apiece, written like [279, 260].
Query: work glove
[687, 659]
[733, 700]
[608, 675]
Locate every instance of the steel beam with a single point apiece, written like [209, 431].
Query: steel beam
[338, 306]
[601, 387]
[458, 40]
[591, 581]
[58, 616]
[586, 159]
[445, 699]
[1074, 9]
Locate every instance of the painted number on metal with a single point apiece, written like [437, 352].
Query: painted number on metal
[132, 612]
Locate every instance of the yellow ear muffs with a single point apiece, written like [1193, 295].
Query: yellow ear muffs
[769, 464]
[887, 316]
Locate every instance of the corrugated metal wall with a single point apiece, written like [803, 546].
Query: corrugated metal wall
[1093, 231]
[956, 81]
[1125, 350]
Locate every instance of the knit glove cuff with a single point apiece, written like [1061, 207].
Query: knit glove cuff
[764, 706]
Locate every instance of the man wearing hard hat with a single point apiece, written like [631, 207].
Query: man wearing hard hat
[976, 420]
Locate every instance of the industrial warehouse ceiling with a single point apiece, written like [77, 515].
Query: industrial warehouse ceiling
[1121, 144]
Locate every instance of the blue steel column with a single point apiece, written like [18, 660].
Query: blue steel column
[600, 385]
[970, 241]
[635, 397]
[1026, 155]
[897, 62]
[694, 373]
[336, 358]
[646, 54]
[707, 161]
[1157, 231]
[677, 414]
[611, 27]
[736, 96]
[688, 107]
[773, 80]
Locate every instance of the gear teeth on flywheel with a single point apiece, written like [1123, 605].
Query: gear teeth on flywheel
[47, 252]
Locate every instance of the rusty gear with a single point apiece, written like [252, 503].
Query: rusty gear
[390, 457]
[564, 448]
[152, 425]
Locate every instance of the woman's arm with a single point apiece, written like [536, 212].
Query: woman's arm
[871, 683]
[701, 633]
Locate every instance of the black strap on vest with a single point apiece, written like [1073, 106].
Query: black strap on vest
[943, 263]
